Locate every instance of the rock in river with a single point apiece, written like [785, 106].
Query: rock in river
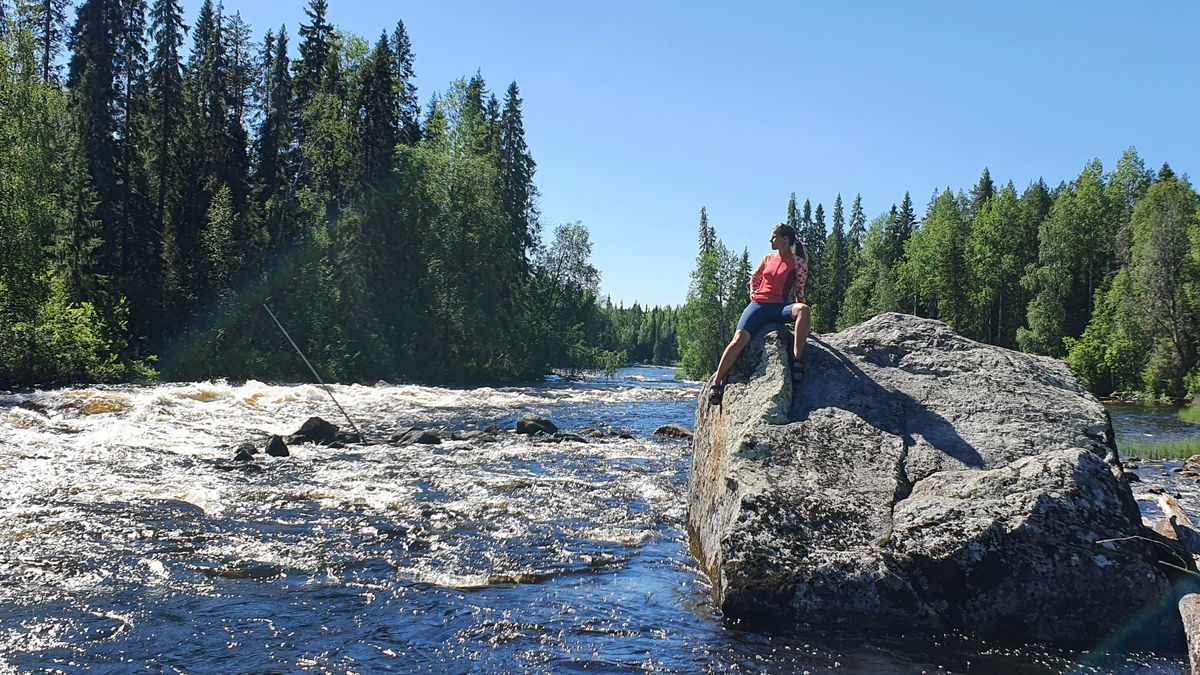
[532, 424]
[917, 480]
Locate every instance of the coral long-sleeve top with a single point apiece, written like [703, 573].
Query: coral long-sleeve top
[777, 277]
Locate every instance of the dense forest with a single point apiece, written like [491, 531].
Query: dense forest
[160, 184]
[1103, 271]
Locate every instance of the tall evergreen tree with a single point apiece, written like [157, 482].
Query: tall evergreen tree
[708, 235]
[166, 121]
[515, 169]
[981, 193]
[997, 259]
[858, 222]
[274, 142]
[838, 271]
[378, 128]
[702, 329]
[47, 20]
[403, 78]
[316, 47]
[92, 82]
[793, 214]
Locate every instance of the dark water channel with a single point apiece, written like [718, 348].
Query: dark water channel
[130, 541]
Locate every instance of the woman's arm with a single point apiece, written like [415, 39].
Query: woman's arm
[801, 280]
[757, 279]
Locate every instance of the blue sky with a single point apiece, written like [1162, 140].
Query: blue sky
[639, 113]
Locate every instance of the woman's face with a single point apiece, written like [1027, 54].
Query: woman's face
[780, 242]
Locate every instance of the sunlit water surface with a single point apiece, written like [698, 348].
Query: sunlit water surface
[130, 540]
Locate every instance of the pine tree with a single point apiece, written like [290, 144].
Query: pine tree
[1052, 280]
[1166, 281]
[702, 332]
[997, 261]
[818, 289]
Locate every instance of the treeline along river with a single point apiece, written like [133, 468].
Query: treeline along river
[131, 541]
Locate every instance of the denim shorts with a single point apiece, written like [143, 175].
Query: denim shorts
[768, 314]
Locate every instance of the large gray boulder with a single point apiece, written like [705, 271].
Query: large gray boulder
[917, 480]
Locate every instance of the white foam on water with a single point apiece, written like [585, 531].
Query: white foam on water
[127, 486]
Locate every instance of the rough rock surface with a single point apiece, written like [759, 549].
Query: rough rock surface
[276, 447]
[532, 424]
[916, 480]
[673, 431]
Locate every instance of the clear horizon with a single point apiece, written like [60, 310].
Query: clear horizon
[640, 114]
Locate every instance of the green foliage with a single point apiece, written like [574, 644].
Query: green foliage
[718, 293]
[64, 340]
[1110, 355]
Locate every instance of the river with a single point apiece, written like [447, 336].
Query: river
[131, 541]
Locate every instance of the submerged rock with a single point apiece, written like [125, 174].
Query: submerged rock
[532, 424]
[917, 480]
[672, 431]
[420, 436]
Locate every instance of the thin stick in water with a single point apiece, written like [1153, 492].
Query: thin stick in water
[314, 371]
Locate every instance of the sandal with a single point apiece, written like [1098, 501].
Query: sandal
[797, 371]
[716, 394]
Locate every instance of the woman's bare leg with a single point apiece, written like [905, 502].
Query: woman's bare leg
[803, 323]
[732, 351]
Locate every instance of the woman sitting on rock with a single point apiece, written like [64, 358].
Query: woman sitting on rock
[780, 276]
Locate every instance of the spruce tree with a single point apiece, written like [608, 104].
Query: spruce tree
[858, 224]
[92, 82]
[403, 79]
[275, 134]
[135, 240]
[47, 20]
[378, 128]
[166, 121]
[838, 270]
[515, 168]
[981, 193]
[708, 236]
[316, 46]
